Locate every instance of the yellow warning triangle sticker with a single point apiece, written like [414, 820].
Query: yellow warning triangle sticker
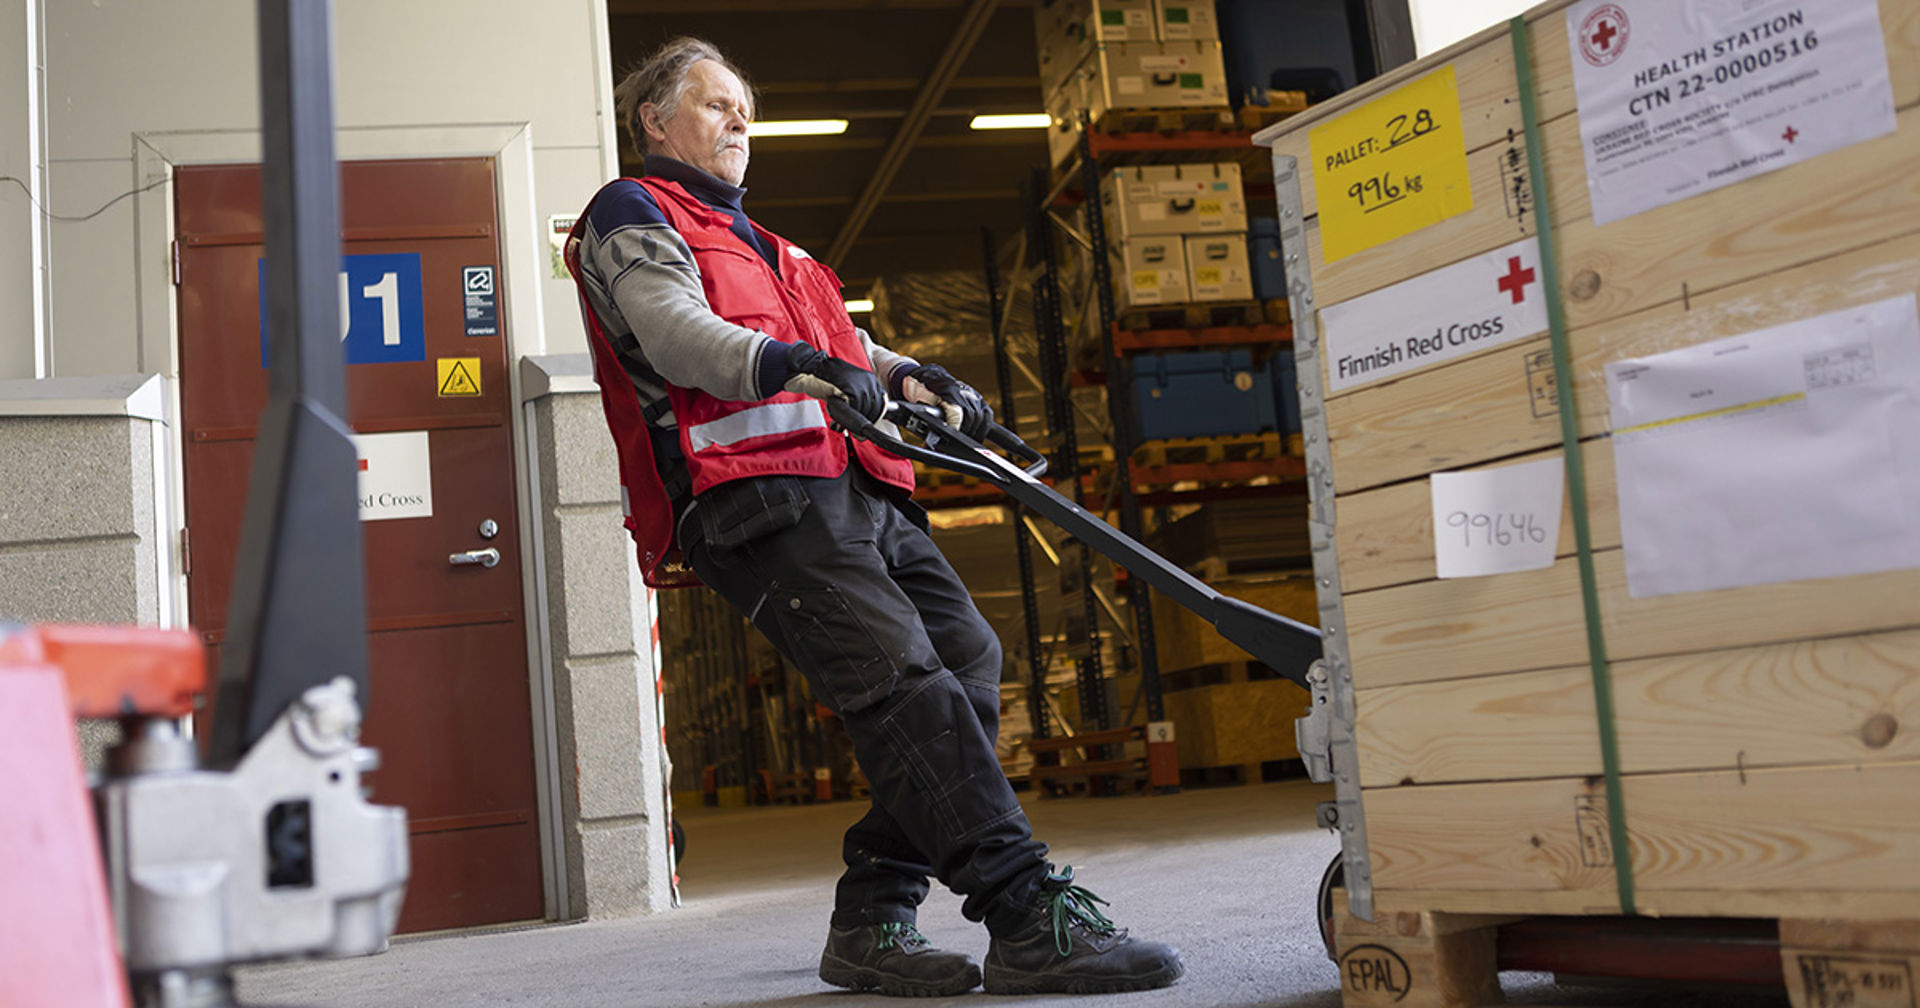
[458, 376]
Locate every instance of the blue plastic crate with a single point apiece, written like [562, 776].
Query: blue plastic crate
[1286, 394]
[1263, 258]
[1202, 394]
[1298, 45]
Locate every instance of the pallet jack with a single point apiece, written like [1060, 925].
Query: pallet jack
[1290, 648]
[259, 844]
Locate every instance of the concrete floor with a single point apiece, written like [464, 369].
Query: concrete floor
[1228, 875]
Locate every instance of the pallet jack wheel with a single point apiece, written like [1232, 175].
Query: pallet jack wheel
[679, 841]
[1333, 878]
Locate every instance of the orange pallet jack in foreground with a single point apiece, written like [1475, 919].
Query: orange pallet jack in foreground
[201, 868]
[259, 844]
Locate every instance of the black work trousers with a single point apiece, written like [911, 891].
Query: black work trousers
[856, 595]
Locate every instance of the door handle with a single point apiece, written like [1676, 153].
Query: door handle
[484, 557]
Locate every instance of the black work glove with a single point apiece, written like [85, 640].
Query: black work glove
[940, 388]
[808, 367]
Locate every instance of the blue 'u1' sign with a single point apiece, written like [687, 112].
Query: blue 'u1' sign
[382, 317]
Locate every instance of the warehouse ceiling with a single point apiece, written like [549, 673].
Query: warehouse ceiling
[907, 188]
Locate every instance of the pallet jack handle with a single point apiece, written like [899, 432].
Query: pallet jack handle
[1288, 647]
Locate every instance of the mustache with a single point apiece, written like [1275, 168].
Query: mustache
[730, 141]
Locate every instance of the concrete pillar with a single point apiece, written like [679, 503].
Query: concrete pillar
[82, 530]
[599, 624]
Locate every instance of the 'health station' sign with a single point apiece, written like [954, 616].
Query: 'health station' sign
[1679, 97]
[1453, 311]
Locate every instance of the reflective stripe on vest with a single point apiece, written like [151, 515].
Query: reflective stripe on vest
[756, 421]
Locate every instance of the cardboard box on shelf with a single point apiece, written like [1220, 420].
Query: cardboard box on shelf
[1175, 199]
[1217, 268]
[1153, 272]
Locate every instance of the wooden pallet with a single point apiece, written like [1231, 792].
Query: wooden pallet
[1851, 964]
[1081, 767]
[1166, 120]
[1235, 774]
[1200, 315]
[1210, 450]
[1213, 674]
[1280, 105]
[1412, 957]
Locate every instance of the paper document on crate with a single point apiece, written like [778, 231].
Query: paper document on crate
[1788, 453]
[1498, 520]
[1680, 97]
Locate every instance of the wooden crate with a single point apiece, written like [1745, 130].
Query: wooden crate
[1184, 640]
[1765, 768]
[1236, 724]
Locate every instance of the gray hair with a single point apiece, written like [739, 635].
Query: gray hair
[661, 80]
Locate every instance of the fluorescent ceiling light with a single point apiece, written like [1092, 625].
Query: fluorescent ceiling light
[862, 305]
[796, 127]
[1025, 120]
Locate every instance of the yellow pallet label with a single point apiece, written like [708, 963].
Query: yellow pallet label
[1391, 166]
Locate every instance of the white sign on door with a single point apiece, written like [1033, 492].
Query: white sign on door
[396, 475]
[1679, 97]
[1453, 311]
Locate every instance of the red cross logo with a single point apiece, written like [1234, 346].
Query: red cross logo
[1516, 280]
[1603, 35]
[1790, 135]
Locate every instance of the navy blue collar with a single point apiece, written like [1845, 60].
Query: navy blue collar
[704, 187]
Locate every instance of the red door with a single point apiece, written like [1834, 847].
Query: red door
[449, 706]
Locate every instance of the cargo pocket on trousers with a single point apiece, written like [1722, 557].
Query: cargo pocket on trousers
[733, 514]
[846, 661]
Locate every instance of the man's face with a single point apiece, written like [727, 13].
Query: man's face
[709, 129]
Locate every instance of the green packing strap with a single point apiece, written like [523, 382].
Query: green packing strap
[1576, 469]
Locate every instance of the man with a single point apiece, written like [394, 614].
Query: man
[711, 336]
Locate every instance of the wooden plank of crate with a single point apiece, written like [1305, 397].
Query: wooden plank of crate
[1827, 700]
[1483, 77]
[1841, 829]
[1385, 535]
[1672, 902]
[1490, 405]
[1825, 206]
[1840, 963]
[1456, 629]
[1483, 69]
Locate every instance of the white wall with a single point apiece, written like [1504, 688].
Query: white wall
[1438, 24]
[184, 76]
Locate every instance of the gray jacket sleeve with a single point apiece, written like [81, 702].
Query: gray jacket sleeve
[886, 363]
[648, 273]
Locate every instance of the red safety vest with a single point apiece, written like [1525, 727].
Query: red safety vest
[787, 434]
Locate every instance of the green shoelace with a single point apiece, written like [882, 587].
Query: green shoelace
[1068, 905]
[906, 936]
